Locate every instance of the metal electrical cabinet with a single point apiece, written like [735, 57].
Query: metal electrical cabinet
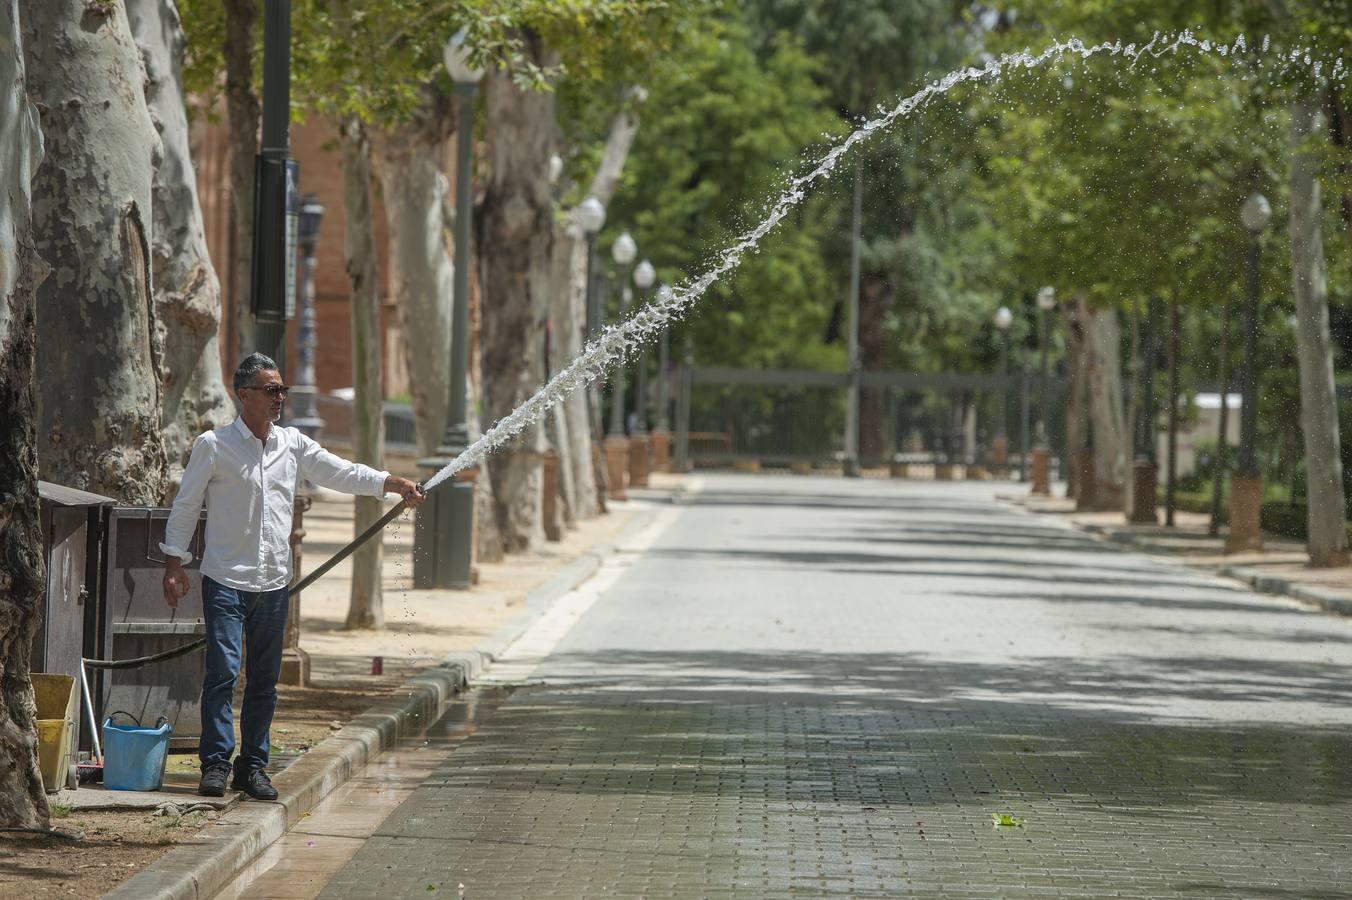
[137, 622]
[72, 534]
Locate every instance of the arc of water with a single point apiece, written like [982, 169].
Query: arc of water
[617, 341]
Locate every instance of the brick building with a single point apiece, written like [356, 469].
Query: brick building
[314, 146]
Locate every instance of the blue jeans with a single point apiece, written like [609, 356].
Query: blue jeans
[233, 616]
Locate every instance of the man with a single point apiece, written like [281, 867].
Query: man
[247, 472]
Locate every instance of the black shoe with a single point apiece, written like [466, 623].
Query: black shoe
[213, 780]
[255, 783]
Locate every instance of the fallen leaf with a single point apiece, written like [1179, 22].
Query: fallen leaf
[1006, 820]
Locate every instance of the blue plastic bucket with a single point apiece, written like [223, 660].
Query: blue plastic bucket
[134, 757]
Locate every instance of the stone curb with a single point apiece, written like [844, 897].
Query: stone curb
[200, 868]
[1257, 579]
[1276, 584]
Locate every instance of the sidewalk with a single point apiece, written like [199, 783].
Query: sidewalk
[326, 732]
[1281, 568]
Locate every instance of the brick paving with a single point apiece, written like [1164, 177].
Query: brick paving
[818, 687]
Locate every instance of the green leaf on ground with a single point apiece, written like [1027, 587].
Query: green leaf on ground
[1006, 820]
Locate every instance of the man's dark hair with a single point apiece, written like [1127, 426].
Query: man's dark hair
[252, 365]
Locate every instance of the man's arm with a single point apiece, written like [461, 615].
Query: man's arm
[332, 471]
[183, 518]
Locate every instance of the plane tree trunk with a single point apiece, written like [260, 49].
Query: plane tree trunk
[23, 804]
[1327, 505]
[410, 161]
[365, 603]
[100, 406]
[186, 290]
[516, 237]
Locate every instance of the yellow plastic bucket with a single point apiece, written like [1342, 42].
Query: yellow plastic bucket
[56, 706]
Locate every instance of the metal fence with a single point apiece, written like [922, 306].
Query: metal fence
[793, 418]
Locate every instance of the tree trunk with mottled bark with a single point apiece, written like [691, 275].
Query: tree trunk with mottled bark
[99, 411]
[410, 160]
[1327, 541]
[187, 292]
[243, 112]
[570, 302]
[365, 604]
[1103, 364]
[23, 804]
[487, 537]
[515, 238]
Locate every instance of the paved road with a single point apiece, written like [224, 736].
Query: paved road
[817, 686]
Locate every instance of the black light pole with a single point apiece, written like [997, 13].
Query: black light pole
[444, 528]
[276, 193]
[1145, 470]
[623, 251]
[851, 466]
[1042, 484]
[1246, 486]
[1003, 319]
[644, 276]
[664, 377]
[1223, 431]
[590, 215]
[1171, 475]
[303, 413]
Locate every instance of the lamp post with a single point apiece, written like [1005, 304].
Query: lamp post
[303, 413]
[623, 251]
[1145, 469]
[1246, 486]
[852, 400]
[276, 193]
[639, 441]
[591, 217]
[1000, 445]
[444, 530]
[295, 661]
[1042, 482]
[661, 437]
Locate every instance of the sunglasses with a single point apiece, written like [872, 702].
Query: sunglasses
[272, 390]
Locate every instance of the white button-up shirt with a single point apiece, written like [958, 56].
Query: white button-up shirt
[249, 487]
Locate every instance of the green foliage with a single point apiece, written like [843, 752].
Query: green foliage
[720, 130]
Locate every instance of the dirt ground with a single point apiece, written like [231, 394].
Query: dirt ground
[119, 843]
[115, 846]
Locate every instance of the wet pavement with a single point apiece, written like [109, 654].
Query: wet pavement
[817, 687]
[299, 864]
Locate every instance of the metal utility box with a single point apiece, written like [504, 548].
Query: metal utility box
[137, 622]
[72, 534]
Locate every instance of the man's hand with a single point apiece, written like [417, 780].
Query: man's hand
[409, 490]
[175, 582]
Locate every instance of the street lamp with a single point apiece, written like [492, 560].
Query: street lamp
[1246, 486]
[1042, 483]
[1000, 445]
[851, 462]
[661, 439]
[444, 529]
[303, 413]
[623, 251]
[1144, 468]
[295, 661]
[639, 442]
[590, 216]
